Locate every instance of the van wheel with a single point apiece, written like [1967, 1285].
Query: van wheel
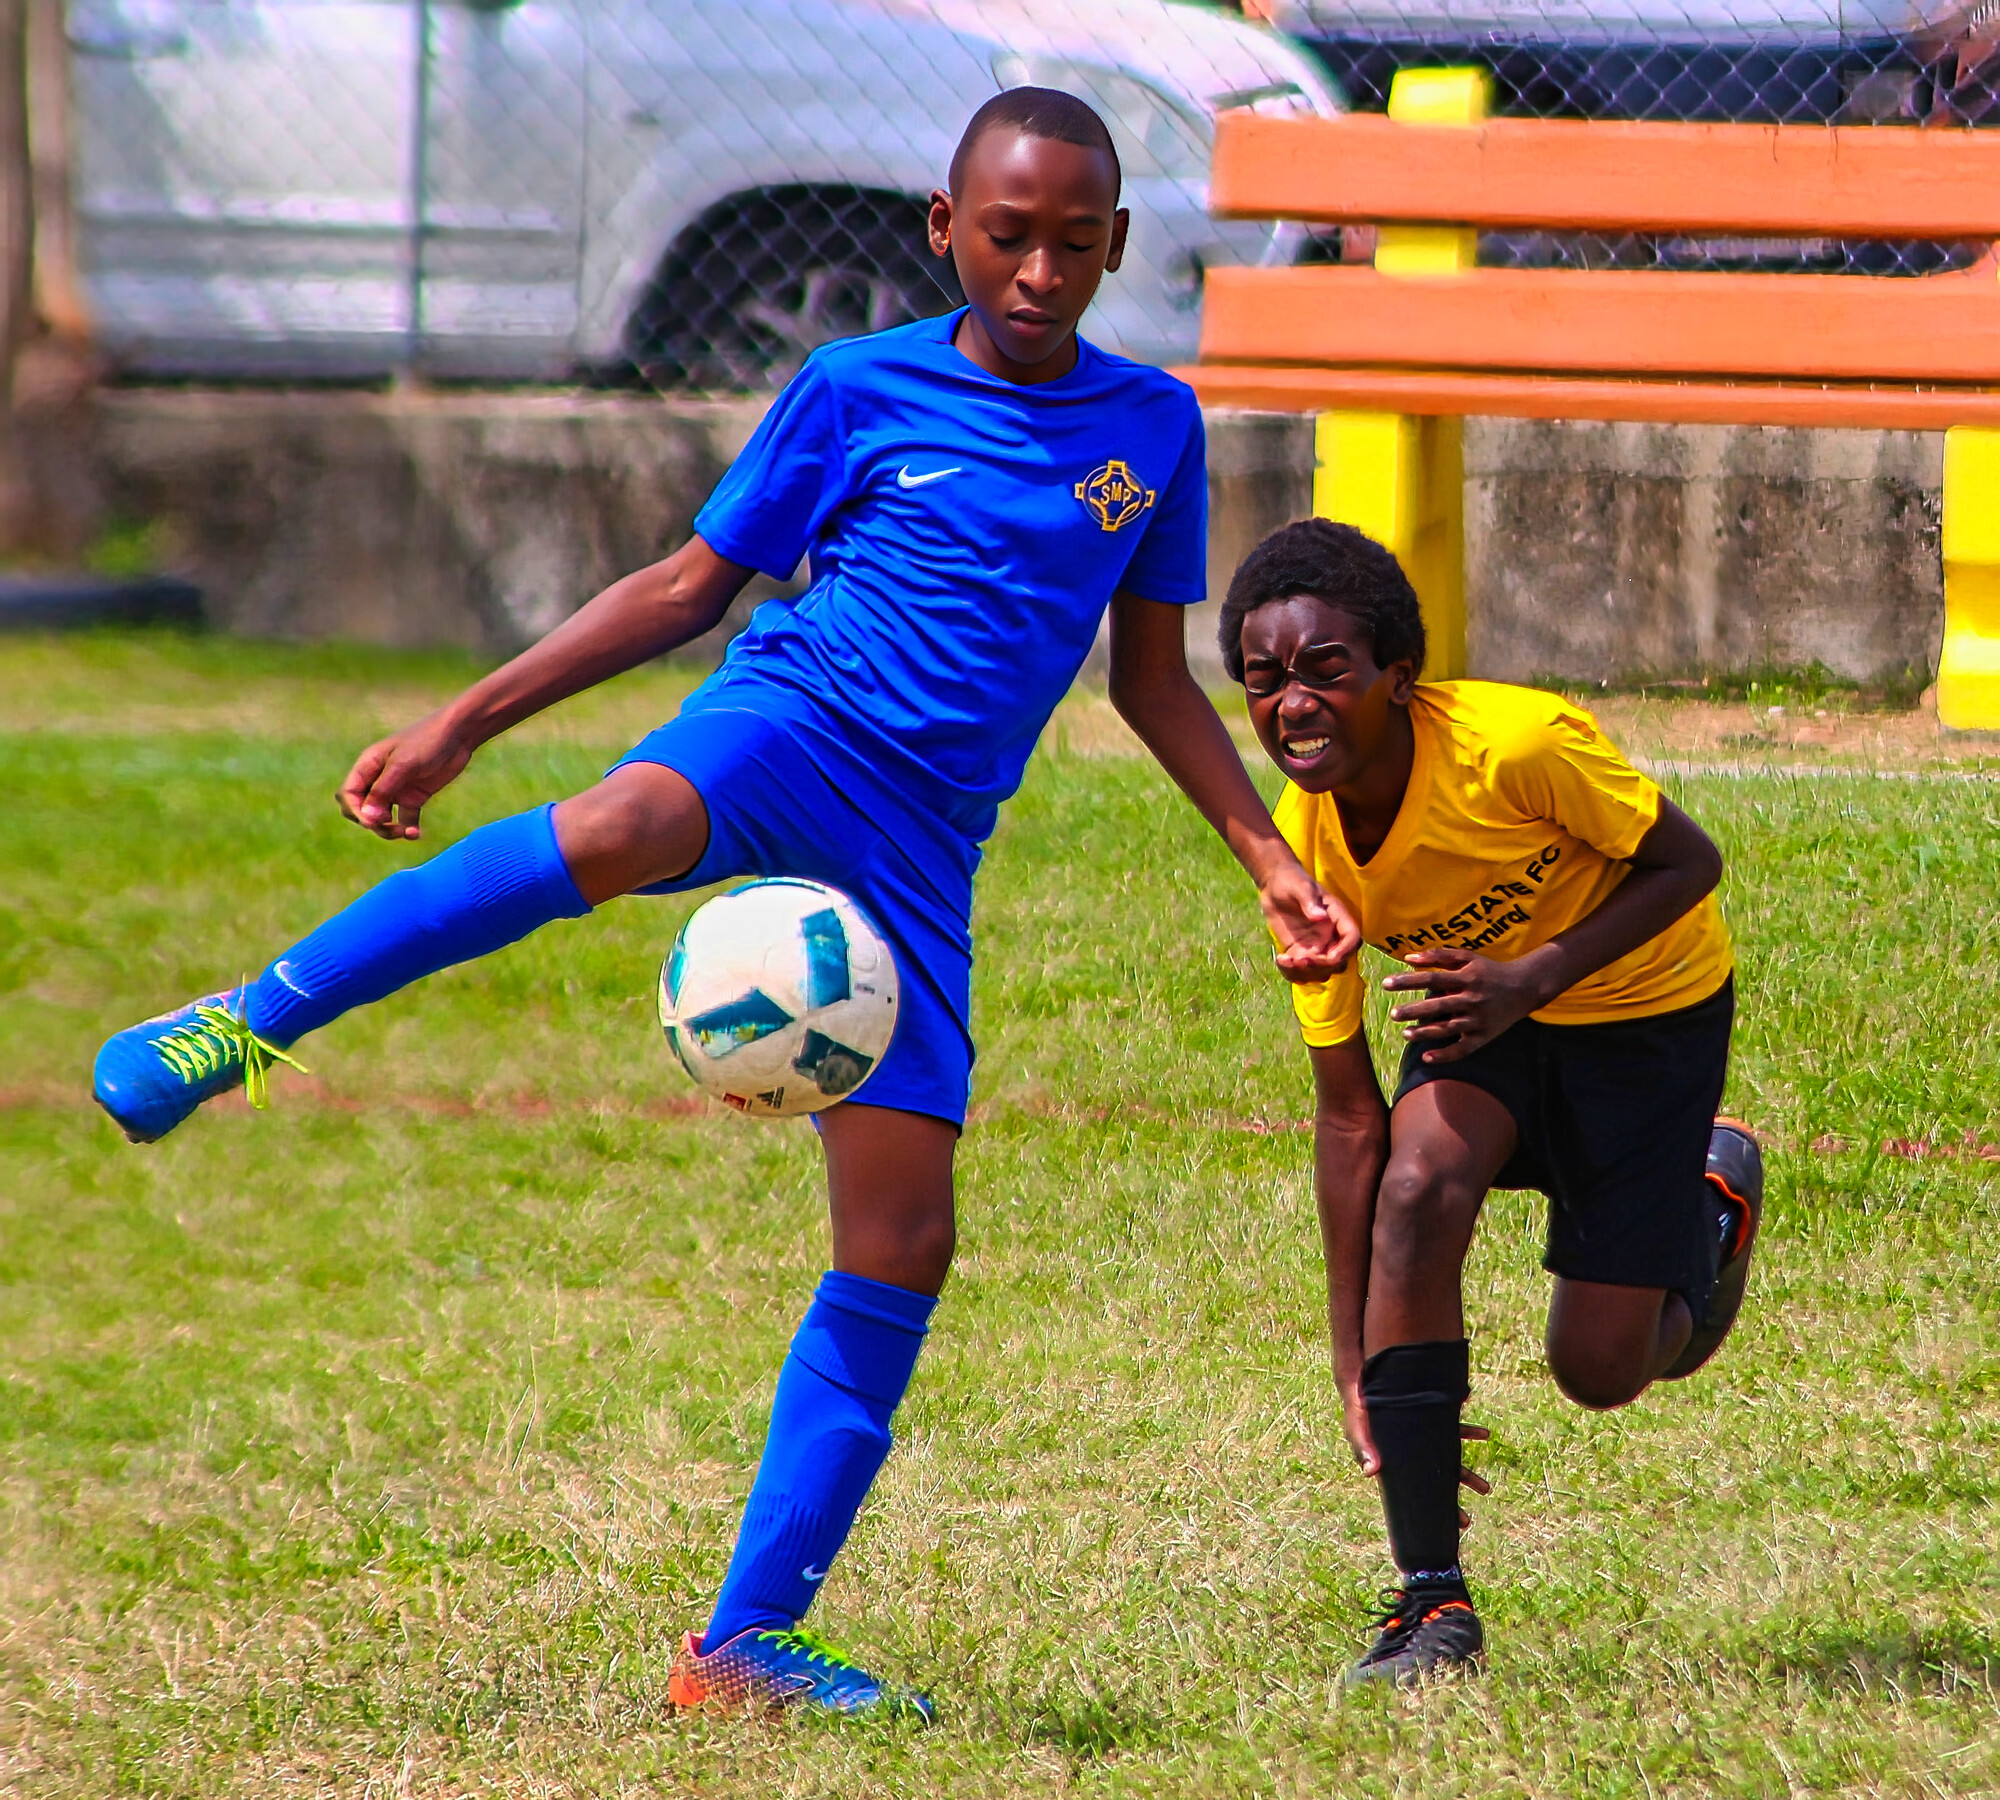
[758, 283]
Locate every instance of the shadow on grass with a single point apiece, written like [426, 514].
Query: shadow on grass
[1092, 1725]
[1894, 1654]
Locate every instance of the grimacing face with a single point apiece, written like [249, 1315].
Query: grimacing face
[1032, 231]
[1320, 704]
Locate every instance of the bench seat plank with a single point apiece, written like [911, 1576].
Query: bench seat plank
[1801, 327]
[1603, 175]
[1465, 392]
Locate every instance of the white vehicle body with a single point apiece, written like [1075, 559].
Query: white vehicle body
[1609, 21]
[1842, 62]
[499, 190]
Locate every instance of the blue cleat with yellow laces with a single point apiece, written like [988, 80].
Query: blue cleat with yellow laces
[151, 1076]
[785, 1668]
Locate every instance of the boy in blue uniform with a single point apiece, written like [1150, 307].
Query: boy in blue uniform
[971, 491]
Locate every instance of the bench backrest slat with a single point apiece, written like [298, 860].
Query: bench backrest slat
[1813, 180]
[1636, 322]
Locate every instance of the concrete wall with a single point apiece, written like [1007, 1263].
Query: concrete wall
[1593, 551]
[1260, 476]
[1596, 550]
[411, 519]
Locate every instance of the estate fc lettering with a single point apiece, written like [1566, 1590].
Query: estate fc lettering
[1114, 494]
[1483, 920]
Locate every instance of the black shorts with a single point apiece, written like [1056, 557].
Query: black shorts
[1614, 1121]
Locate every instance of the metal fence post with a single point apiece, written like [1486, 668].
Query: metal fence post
[424, 26]
[1969, 665]
[1398, 478]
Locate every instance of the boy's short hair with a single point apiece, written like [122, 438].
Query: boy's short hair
[1039, 112]
[1335, 563]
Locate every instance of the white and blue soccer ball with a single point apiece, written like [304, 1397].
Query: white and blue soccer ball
[779, 997]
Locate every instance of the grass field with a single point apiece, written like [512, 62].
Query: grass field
[384, 1444]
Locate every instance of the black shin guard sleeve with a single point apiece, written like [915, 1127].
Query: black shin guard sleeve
[1414, 1393]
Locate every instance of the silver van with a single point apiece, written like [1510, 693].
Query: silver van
[695, 191]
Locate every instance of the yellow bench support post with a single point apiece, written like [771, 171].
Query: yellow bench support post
[1969, 666]
[1402, 479]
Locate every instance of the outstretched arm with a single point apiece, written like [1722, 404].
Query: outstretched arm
[1350, 1149]
[635, 619]
[1162, 702]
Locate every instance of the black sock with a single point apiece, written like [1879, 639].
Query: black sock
[1414, 1393]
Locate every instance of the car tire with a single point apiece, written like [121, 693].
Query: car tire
[759, 282]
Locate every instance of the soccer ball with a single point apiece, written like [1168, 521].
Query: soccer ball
[779, 997]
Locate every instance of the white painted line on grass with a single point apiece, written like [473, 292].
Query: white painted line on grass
[1805, 771]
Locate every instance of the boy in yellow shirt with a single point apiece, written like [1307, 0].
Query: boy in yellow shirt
[1565, 1012]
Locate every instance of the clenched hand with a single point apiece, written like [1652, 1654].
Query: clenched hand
[392, 781]
[1315, 933]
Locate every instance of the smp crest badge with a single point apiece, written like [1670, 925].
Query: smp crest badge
[1114, 494]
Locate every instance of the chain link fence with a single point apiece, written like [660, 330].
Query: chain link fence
[692, 194]
[1763, 62]
[685, 194]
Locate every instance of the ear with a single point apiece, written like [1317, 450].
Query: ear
[1121, 222]
[1402, 681]
[940, 222]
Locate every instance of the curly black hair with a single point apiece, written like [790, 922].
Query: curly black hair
[1337, 564]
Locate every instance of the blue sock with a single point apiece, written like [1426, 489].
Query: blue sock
[848, 1367]
[486, 891]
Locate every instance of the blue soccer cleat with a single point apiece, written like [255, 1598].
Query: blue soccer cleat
[785, 1668]
[151, 1076]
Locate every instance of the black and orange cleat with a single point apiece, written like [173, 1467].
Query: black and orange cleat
[1736, 1177]
[1426, 1631]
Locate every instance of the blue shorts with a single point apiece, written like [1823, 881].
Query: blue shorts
[786, 802]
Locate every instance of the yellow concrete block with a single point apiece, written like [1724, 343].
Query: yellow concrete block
[1972, 495]
[1433, 97]
[1969, 664]
[1436, 562]
[1367, 473]
[1440, 96]
[1402, 481]
[1968, 696]
[1425, 250]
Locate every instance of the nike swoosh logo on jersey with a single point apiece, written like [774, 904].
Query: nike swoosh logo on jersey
[812, 1574]
[904, 479]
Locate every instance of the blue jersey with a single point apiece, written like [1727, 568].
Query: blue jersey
[965, 535]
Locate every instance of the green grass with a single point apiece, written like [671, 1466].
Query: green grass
[386, 1442]
[1814, 685]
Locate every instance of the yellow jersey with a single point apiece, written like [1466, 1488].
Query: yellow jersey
[1519, 820]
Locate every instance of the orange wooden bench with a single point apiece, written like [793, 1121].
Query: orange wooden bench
[1424, 335]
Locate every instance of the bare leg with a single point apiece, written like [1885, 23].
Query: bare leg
[889, 1193]
[1447, 1140]
[642, 823]
[1607, 1344]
